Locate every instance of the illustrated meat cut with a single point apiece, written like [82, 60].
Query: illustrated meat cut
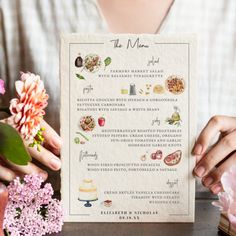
[173, 158]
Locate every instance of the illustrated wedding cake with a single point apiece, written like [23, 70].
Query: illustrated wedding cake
[87, 191]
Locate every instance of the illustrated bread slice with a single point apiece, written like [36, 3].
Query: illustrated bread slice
[173, 158]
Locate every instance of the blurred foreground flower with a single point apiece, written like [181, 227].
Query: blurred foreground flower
[31, 210]
[2, 87]
[227, 199]
[28, 108]
[3, 203]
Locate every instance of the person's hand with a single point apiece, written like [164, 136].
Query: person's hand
[213, 161]
[48, 155]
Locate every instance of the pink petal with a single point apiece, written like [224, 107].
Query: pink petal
[223, 203]
[2, 87]
[232, 214]
[19, 107]
[228, 181]
[18, 117]
[19, 87]
[22, 121]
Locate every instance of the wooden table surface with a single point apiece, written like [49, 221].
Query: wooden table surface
[206, 222]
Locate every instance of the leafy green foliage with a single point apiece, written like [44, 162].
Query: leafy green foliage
[12, 147]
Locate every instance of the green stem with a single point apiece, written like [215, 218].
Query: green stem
[6, 233]
[82, 136]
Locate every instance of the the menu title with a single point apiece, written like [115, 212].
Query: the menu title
[130, 43]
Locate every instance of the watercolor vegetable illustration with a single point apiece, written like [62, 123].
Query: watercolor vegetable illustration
[101, 121]
[80, 77]
[107, 62]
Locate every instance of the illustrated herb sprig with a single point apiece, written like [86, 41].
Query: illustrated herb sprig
[107, 62]
[80, 77]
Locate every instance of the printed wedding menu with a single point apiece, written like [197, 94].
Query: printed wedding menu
[128, 126]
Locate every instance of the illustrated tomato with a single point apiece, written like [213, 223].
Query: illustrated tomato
[153, 156]
[159, 154]
[101, 121]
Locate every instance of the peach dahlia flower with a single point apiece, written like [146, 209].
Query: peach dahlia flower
[28, 108]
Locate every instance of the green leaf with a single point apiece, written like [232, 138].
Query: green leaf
[12, 147]
[79, 76]
[107, 61]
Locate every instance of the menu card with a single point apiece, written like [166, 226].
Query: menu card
[128, 126]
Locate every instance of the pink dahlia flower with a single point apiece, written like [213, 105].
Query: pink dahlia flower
[2, 88]
[28, 108]
[227, 199]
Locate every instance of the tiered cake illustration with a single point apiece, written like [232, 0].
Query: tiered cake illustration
[88, 192]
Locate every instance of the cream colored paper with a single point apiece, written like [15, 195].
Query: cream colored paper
[127, 103]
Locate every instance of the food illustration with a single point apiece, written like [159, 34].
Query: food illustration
[173, 158]
[107, 62]
[107, 203]
[132, 89]
[124, 91]
[146, 91]
[158, 89]
[143, 158]
[77, 140]
[92, 63]
[79, 61]
[78, 76]
[175, 118]
[156, 155]
[175, 84]
[87, 123]
[80, 140]
[101, 121]
[87, 192]
[141, 91]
